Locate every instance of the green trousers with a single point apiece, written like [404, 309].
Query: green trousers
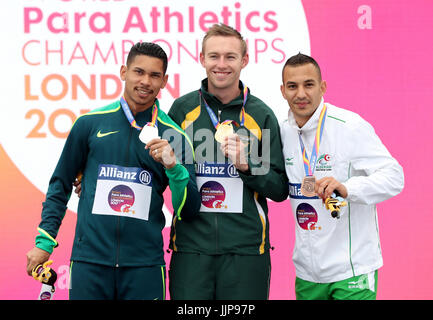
[90, 281]
[219, 277]
[362, 287]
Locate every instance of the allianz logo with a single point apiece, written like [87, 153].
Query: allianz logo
[295, 190]
[216, 169]
[125, 174]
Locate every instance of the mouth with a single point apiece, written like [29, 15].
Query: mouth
[143, 92]
[302, 104]
[221, 74]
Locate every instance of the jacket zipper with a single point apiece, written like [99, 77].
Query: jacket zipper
[118, 218]
[216, 233]
[216, 215]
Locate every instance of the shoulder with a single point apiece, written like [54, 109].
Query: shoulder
[186, 108]
[112, 107]
[186, 103]
[95, 114]
[350, 120]
[258, 105]
[260, 112]
[169, 124]
[166, 120]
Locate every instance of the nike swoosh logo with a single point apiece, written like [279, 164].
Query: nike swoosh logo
[100, 135]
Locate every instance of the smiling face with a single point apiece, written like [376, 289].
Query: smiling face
[303, 89]
[223, 60]
[143, 77]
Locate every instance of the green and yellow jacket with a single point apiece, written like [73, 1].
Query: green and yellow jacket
[245, 232]
[104, 146]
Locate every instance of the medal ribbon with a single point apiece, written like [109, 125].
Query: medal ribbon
[214, 118]
[310, 164]
[130, 116]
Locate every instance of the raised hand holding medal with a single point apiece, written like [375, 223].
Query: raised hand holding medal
[231, 144]
[225, 128]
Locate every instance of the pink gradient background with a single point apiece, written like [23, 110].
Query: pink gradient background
[386, 75]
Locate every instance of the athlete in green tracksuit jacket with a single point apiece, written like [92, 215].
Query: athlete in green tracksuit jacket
[233, 218]
[106, 147]
[118, 238]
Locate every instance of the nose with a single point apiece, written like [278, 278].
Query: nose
[145, 80]
[301, 93]
[221, 62]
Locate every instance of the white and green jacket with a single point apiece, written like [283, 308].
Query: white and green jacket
[329, 249]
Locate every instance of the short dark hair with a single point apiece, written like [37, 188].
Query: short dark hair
[148, 49]
[225, 31]
[300, 60]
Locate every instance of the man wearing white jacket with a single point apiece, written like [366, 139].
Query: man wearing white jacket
[330, 151]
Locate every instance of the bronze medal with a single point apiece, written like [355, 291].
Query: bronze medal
[307, 186]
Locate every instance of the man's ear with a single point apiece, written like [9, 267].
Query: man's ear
[202, 58]
[283, 91]
[323, 87]
[245, 60]
[164, 81]
[123, 69]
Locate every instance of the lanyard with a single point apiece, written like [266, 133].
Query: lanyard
[310, 164]
[131, 119]
[214, 118]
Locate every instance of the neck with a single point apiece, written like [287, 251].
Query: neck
[225, 95]
[137, 108]
[301, 121]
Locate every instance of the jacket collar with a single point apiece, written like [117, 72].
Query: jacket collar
[213, 101]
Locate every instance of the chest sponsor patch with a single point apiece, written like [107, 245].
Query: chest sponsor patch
[123, 191]
[307, 217]
[220, 187]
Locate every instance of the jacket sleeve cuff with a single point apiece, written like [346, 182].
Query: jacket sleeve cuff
[45, 242]
[177, 173]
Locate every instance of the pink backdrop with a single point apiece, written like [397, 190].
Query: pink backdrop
[385, 73]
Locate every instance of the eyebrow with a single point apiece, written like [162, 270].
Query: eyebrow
[305, 81]
[224, 53]
[151, 72]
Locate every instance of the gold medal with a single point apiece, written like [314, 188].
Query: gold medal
[307, 186]
[224, 130]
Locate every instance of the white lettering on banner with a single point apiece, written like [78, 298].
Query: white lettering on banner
[365, 20]
[202, 169]
[295, 192]
[62, 277]
[217, 169]
[223, 310]
[55, 80]
[112, 172]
